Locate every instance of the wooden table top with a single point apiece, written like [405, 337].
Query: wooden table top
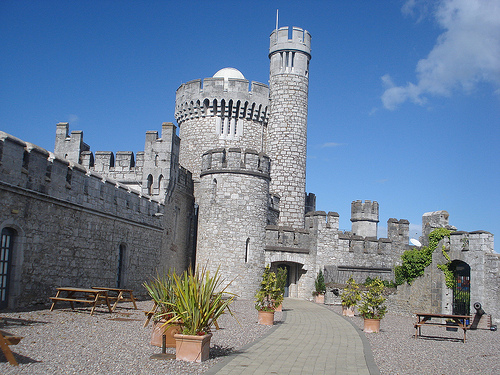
[444, 316]
[83, 290]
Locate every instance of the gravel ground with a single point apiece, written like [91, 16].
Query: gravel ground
[73, 342]
[396, 351]
[70, 342]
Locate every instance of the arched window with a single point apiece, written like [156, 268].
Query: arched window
[206, 104]
[150, 185]
[160, 184]
[247, 249]
[214, 189]
[6, 253]
[156, 160]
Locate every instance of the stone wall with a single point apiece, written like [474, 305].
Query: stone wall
[70, 223]
[220, 114]
[233, 205]
[429, 293]
[287, 130]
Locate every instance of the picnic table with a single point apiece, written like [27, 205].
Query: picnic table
[7, 339]
[120, 295]
[82, 295]
[425, 319]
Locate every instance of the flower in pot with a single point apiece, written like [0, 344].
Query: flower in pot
[372, 307]
[161, 290]
[350, 297]
[320, 288]
[267, 296]
[200, 299]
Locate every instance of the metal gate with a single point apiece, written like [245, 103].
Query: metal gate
[461, 289]
[6, 247]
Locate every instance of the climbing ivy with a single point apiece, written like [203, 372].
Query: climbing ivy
[448, 273]
[415, 260]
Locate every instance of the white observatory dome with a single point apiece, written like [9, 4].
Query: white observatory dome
[227, 73]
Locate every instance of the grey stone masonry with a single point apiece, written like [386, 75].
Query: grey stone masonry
[364, 218]
[287, 133]
[221, 113]
[233, 204]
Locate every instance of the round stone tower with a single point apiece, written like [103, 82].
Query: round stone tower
[233, 198]
[221, 113]
[287, 130]
[364, 218]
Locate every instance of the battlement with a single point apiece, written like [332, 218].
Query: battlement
[364, 211]
[321, 220]
[280, 41]
[35, 170]
[234, 160]
[287, 239]
[222, 97]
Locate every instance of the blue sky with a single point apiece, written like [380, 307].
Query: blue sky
[404, 96]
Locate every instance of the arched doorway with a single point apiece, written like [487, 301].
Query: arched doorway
[6, 253]
[461, 289]
[287, 284]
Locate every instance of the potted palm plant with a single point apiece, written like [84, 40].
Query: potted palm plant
[372, 307]
[350, 297]
[266, 296]
[320, 288]
[161, 290]
[200, 299]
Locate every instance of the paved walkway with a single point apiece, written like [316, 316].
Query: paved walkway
[311, 340]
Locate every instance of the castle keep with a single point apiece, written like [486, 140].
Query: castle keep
[228, 192]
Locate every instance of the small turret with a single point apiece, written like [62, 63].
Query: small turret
[364, 218]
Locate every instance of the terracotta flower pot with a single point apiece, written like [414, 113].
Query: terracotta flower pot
[279, 307]
[319, 298]
[348, 311]
[192, 348]
[372, 325]
[266, 317]
[157, 333]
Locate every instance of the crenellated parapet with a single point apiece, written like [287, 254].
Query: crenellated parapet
[236, 160]
[319, 220]
[364, 217]
[224, 98]
[31, 170]
[398, 231]
[290, 55]
[288, 239]
[150, 172]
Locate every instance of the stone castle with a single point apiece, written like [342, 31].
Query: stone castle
[228, 192]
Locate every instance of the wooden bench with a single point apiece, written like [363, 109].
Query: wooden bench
[460, 321]
[90, 296]
[7, 339]
[120, 295]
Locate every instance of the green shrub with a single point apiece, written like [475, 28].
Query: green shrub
[269, 291]
[319, 284]
[372, 302]
[350, 295]
[415, 260]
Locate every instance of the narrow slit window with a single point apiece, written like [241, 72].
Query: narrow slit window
[247, 249]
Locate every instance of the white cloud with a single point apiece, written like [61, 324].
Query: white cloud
[330, 144]
[468, 52]
[72, 118]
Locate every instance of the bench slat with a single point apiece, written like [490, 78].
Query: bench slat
[72, 299]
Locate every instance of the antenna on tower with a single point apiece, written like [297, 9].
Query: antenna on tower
[276, 19]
